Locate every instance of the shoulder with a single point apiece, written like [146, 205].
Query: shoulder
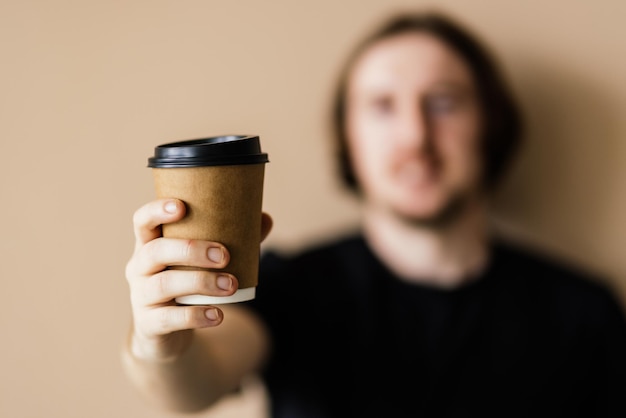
[566, 286]
[299, 271]
[325, 253]
[535, 264]
[297, 281]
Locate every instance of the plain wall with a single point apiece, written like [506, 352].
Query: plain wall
[88, 88]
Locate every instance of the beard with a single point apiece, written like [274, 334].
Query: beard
[446, 215]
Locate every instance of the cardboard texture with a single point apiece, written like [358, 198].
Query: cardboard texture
[224, 204]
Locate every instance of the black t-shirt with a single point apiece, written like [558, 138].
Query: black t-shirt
[530, 337]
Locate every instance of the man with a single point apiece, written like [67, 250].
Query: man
[424, 311]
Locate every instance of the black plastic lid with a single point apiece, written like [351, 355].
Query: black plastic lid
[216, 150]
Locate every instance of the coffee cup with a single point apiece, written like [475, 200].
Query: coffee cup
[220, 180]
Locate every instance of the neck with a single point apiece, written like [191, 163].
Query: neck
[441, 255]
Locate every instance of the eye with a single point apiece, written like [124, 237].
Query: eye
[441, 104]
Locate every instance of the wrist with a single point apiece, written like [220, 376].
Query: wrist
[162, 349]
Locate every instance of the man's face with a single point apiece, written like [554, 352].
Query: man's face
[413, 127]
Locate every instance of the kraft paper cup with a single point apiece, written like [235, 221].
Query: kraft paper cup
[220, 180]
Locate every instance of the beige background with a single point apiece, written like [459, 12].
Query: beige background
[88, 88]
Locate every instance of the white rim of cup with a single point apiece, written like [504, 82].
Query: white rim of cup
[240, 295]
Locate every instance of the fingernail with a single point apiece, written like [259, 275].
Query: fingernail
[170, 207]
[216, 254]
[224, 282]
[211, 314]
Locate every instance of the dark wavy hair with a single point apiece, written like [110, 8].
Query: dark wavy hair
[502, 115]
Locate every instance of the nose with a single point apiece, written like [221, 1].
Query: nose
[414, 133]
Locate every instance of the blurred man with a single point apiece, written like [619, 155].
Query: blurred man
[423, 311]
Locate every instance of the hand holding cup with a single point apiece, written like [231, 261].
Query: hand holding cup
[161, 327]
[195, 242]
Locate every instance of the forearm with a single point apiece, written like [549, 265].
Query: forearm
[205, 365]
[186, 382]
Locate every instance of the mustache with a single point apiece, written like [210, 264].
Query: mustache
[416, 161]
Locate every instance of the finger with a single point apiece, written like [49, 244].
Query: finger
[266, 225]
[170, 284]
[167, 319]
[160, 253]
[148, 219]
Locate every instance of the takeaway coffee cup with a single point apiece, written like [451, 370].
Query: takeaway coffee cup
[220, 180]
